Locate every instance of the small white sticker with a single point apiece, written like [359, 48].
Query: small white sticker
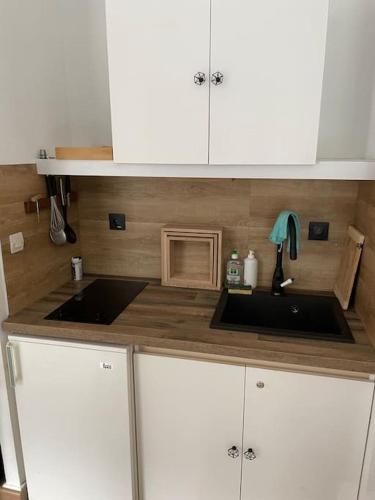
[106, 366]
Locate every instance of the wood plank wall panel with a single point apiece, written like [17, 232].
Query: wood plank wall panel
[42, 266]
[365, 222]
[246, 208]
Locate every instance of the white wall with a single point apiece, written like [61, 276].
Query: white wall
[86, 71]
[54, 81]
[9, 434]
[371, 134]
[346, 129]
[32, 95]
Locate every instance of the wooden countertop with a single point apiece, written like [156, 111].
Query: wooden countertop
[178, 319]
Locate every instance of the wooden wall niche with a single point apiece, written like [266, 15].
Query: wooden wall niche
[191, 256]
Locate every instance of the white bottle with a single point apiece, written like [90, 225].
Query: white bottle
[250, 270]
[77, 271]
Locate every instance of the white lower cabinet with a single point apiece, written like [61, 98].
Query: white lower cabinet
[205, 430]
[299, 436]
[73, 411]
[367, 491]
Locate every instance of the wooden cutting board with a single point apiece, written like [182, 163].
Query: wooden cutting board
[349, 265]
[99, 153]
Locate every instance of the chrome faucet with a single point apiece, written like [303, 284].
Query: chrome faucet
[278, 281]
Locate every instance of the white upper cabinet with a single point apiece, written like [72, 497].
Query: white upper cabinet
[159, 113]
[271, 55]
[262, 62]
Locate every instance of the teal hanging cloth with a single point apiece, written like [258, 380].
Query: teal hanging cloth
[280, 231]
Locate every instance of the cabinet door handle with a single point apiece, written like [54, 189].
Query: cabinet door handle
[249, 454]
[234, 452]
[11, 364]
[199, 78]
[217, 78]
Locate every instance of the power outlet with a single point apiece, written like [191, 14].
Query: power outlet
[117, 222]
[319, 231]
[16, 242]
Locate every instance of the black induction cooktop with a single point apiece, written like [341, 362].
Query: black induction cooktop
[99, 303]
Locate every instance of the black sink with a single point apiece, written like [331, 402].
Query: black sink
[306, 316]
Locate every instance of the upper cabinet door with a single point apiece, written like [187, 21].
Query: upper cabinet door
[160, 109]
[308, 434]
[271, 56]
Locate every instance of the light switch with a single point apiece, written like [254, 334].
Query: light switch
[17, 242]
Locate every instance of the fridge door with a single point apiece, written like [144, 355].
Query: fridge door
[73, 409]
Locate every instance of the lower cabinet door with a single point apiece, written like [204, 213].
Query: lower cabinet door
[189, 414]
[73, 410]
[367, 491]
[307, 434]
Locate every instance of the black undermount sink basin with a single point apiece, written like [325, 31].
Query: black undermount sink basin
[312, 317]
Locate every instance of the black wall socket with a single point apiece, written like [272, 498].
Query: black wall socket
[319, 231]
[117, 222]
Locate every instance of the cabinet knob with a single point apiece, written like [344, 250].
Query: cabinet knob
[217, 78]
[199, 78]
[234, 452]
[249, 454]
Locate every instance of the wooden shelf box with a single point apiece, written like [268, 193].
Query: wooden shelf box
[191, 256]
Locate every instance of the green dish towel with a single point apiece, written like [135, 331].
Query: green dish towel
[280, 231]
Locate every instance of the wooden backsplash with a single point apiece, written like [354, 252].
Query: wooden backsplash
[42, 266]
[246, 208]
[365, 293]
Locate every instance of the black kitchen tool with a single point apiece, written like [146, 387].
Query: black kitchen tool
[65, 191]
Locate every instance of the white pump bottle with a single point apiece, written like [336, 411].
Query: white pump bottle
[251, 270]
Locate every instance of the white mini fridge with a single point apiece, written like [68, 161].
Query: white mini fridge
[74, 415]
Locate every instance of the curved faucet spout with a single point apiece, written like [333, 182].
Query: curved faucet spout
[292, 238]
